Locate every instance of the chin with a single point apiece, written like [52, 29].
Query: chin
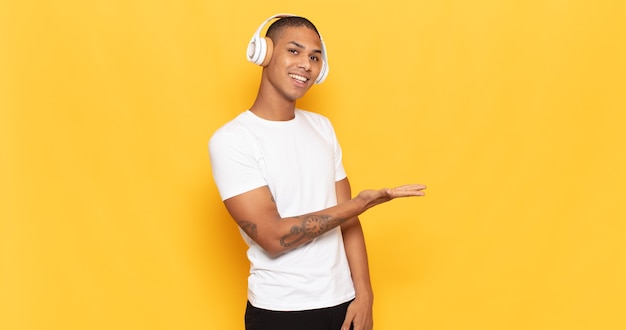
[295, 96]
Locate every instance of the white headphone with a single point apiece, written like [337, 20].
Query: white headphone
[260, 49]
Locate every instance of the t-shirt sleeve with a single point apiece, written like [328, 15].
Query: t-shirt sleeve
[235, 164]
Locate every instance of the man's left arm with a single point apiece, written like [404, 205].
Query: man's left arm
[360, 310]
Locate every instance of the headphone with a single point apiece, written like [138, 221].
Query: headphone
[260, 49]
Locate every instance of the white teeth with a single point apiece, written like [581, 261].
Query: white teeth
[299, 78]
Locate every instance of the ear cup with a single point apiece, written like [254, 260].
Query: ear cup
[323, 73]
[256, 50]
[269, 49]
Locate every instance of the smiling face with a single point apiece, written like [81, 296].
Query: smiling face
[296, 62]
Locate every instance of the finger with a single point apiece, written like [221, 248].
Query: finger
[407, 192]
[412, 187]
[347, 321]
[358, 324]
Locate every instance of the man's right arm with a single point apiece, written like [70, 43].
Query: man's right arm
[256, 213]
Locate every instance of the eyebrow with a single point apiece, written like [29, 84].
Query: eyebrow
[302, 47]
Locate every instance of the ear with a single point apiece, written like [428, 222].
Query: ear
[269, 51]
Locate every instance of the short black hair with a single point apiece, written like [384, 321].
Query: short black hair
[290, 21]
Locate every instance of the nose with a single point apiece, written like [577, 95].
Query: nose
[305, 63]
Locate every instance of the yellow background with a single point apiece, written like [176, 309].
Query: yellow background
[512, 112]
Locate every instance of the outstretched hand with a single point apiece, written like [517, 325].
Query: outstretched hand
[376, 197]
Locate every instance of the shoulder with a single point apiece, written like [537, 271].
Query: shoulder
[235, 126]
[311, 115]
[314, 118]
[231, 133]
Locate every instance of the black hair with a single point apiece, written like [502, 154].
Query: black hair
[291, 21]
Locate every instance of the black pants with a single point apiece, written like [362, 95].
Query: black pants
[330, 318]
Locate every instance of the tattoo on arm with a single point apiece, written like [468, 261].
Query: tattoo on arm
[312, 226]
[249, 228]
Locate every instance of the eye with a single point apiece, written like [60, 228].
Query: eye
[314, 58]
[293, 51]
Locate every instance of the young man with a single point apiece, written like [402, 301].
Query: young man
[279, 172]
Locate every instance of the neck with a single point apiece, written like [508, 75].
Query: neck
[273, 111]
[270, 105]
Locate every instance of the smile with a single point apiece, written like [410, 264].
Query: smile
[298, 78]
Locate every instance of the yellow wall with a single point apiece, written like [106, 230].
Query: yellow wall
[512, 112]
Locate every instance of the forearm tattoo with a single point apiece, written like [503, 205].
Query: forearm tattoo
[249, 228]
[312, 226]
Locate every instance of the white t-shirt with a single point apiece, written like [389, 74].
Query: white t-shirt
[300, 161]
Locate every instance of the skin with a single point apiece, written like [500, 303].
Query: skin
[297, 51]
